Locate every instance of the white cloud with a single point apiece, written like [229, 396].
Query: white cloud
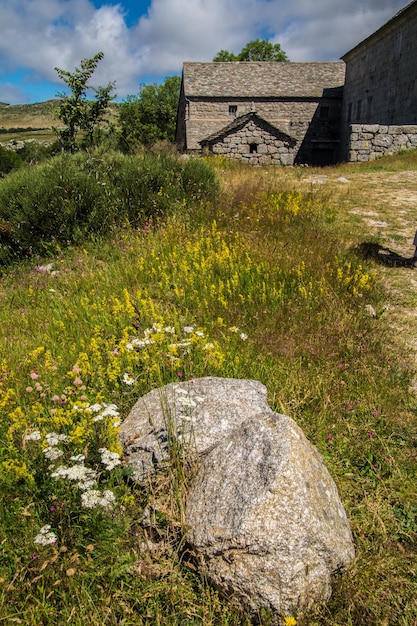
[39, 35]
[10, 93]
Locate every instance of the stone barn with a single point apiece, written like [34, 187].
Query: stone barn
[380, 95]
[262, 112]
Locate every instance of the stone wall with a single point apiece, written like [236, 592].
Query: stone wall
[256, 145]
[370, 141]
[206, 117]
[381, 80]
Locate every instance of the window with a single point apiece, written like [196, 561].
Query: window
[232, 110]
[369, 109]
[253, 148]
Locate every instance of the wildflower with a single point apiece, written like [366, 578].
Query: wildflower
[54, 438]
[33, 436]
[84, 476]
[110, 409]
[78, 458]
[128, 379]
[109, 459]
[115, 352]
[55, 398]
[290, 621]
[45, 537]
[188, 329]
[157, 327]
[78, 381]
[52, 453]
[169, 329]
[182, 344]
[329, 436]
[243, 336]
[186, 402]
[234, 329]
[95, 408]
[29, 389]
[34, 375]
[199, 333]
[370, 435]
[92, 498]
[208, 346]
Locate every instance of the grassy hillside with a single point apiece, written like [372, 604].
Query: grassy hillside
[32, 121]
[266, 282]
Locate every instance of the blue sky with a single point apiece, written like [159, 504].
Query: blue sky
[146, 40]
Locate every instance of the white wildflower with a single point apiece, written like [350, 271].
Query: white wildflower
[234, 329]
[92, 498]
[110, 409]
[33, 436]
[169, 329]
[188, 329]
[186, 402]
[148, 332]
[78, 458]
[109, 459]
[45, 537]
[52, 453]
[182, 344]
[95, 408]
[157, 327]
[84, 476]
[208, 346]
[243, 336]
[199, 333]
[128, 379]
[54, 438]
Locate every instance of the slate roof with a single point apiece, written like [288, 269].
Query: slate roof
[261, 79]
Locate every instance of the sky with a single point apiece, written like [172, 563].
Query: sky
[144, 41]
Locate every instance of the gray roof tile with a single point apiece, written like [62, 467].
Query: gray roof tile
[261, 79]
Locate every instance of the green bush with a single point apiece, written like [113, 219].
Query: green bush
[9, 161]
[72, 197]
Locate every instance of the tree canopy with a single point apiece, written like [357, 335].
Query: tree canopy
[256, 50]
[75, 110]
[151, 115]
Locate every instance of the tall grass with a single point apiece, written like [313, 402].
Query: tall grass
[255, 285]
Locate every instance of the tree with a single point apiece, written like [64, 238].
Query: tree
[256, 50]
[75, 110]
[151, 115]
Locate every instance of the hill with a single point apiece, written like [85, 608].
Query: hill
[31, 121]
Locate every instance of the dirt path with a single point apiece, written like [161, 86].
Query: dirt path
[382, 207]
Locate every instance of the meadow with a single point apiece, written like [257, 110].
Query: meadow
[228, 271]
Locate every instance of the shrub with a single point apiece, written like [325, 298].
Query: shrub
[72, 197]
[9, 161]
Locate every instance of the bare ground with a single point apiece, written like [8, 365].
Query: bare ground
[379, 213]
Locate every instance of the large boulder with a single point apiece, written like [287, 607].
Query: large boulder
[263, 511]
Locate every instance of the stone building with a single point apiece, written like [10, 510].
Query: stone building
[380, 94]
[262, 112]
[315, 113]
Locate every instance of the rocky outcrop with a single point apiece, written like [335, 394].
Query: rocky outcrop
[263, 511]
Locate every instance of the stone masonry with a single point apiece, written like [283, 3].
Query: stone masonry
[370, 141]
